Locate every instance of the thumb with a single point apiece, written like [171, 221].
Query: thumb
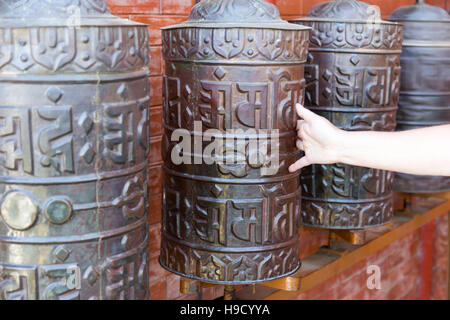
[304, 113]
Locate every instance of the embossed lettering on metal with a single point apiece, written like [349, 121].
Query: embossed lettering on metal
[233, 65]
[425, 82]
[74, 141]
[352, 79]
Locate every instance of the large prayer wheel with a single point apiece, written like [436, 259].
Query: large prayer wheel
[74, 99]
[352, 79]
[425, 82]
[234, 65]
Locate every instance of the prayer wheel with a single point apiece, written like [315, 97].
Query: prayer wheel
[234, 72]
[352, 79]
[425, 82]
[74, 141]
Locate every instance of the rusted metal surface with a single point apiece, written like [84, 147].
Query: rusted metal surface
[352, 79]
[233, 65]
[73, 152]
[425, 83]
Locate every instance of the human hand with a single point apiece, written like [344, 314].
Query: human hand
[318, 138]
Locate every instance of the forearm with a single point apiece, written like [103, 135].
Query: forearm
[422, 151]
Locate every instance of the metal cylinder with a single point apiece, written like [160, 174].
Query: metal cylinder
[74, 99]
[352, 79]
[234, 65]
[425, 82]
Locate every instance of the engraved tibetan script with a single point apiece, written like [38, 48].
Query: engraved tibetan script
[363, 87]
[125, 125]
[15, 139]
[54, 138]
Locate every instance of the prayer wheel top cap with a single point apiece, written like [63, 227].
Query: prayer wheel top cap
[58, 13]
[345, 10]
[236, 14]
[420, 11]
[424, 22]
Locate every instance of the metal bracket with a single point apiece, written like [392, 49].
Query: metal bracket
[188, 286]
[290, 283]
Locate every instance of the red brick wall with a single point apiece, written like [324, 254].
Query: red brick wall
[439, 289]
[402, 259]
[402, 271]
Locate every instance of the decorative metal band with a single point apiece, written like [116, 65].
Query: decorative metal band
[424, 94]
[242, 181]
[421, 184]
[354, 35]
[353, 109]
[421, 123]
[348, 201]
[73, 50]
[75, 78]
[356, 51]
[236, 46]
[74, 179]
[337, 215]
[75, 238]
[240, 249]
[226, 268]
[424, 43]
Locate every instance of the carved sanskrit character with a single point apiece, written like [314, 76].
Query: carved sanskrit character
[212, 113]
[15, 139]
[119, 138]
[55, 141]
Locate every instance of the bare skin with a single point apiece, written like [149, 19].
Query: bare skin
[421, 151]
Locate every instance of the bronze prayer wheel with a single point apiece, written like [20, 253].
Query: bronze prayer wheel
[352, 79]
[234, 65]
[74, 136]
[425, 82]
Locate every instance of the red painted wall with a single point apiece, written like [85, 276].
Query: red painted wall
[406, 278]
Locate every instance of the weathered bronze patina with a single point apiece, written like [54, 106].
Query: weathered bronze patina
[233, 65]
[74, 100]
[425, 83]
[352, 79]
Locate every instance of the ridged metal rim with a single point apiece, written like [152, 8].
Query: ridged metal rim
[314, 19]
[419, 21]
[208, 25]
[434, 191]
[187, 276]
[398, 188]
[101, 21]
[426, 43]
[345, 228]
